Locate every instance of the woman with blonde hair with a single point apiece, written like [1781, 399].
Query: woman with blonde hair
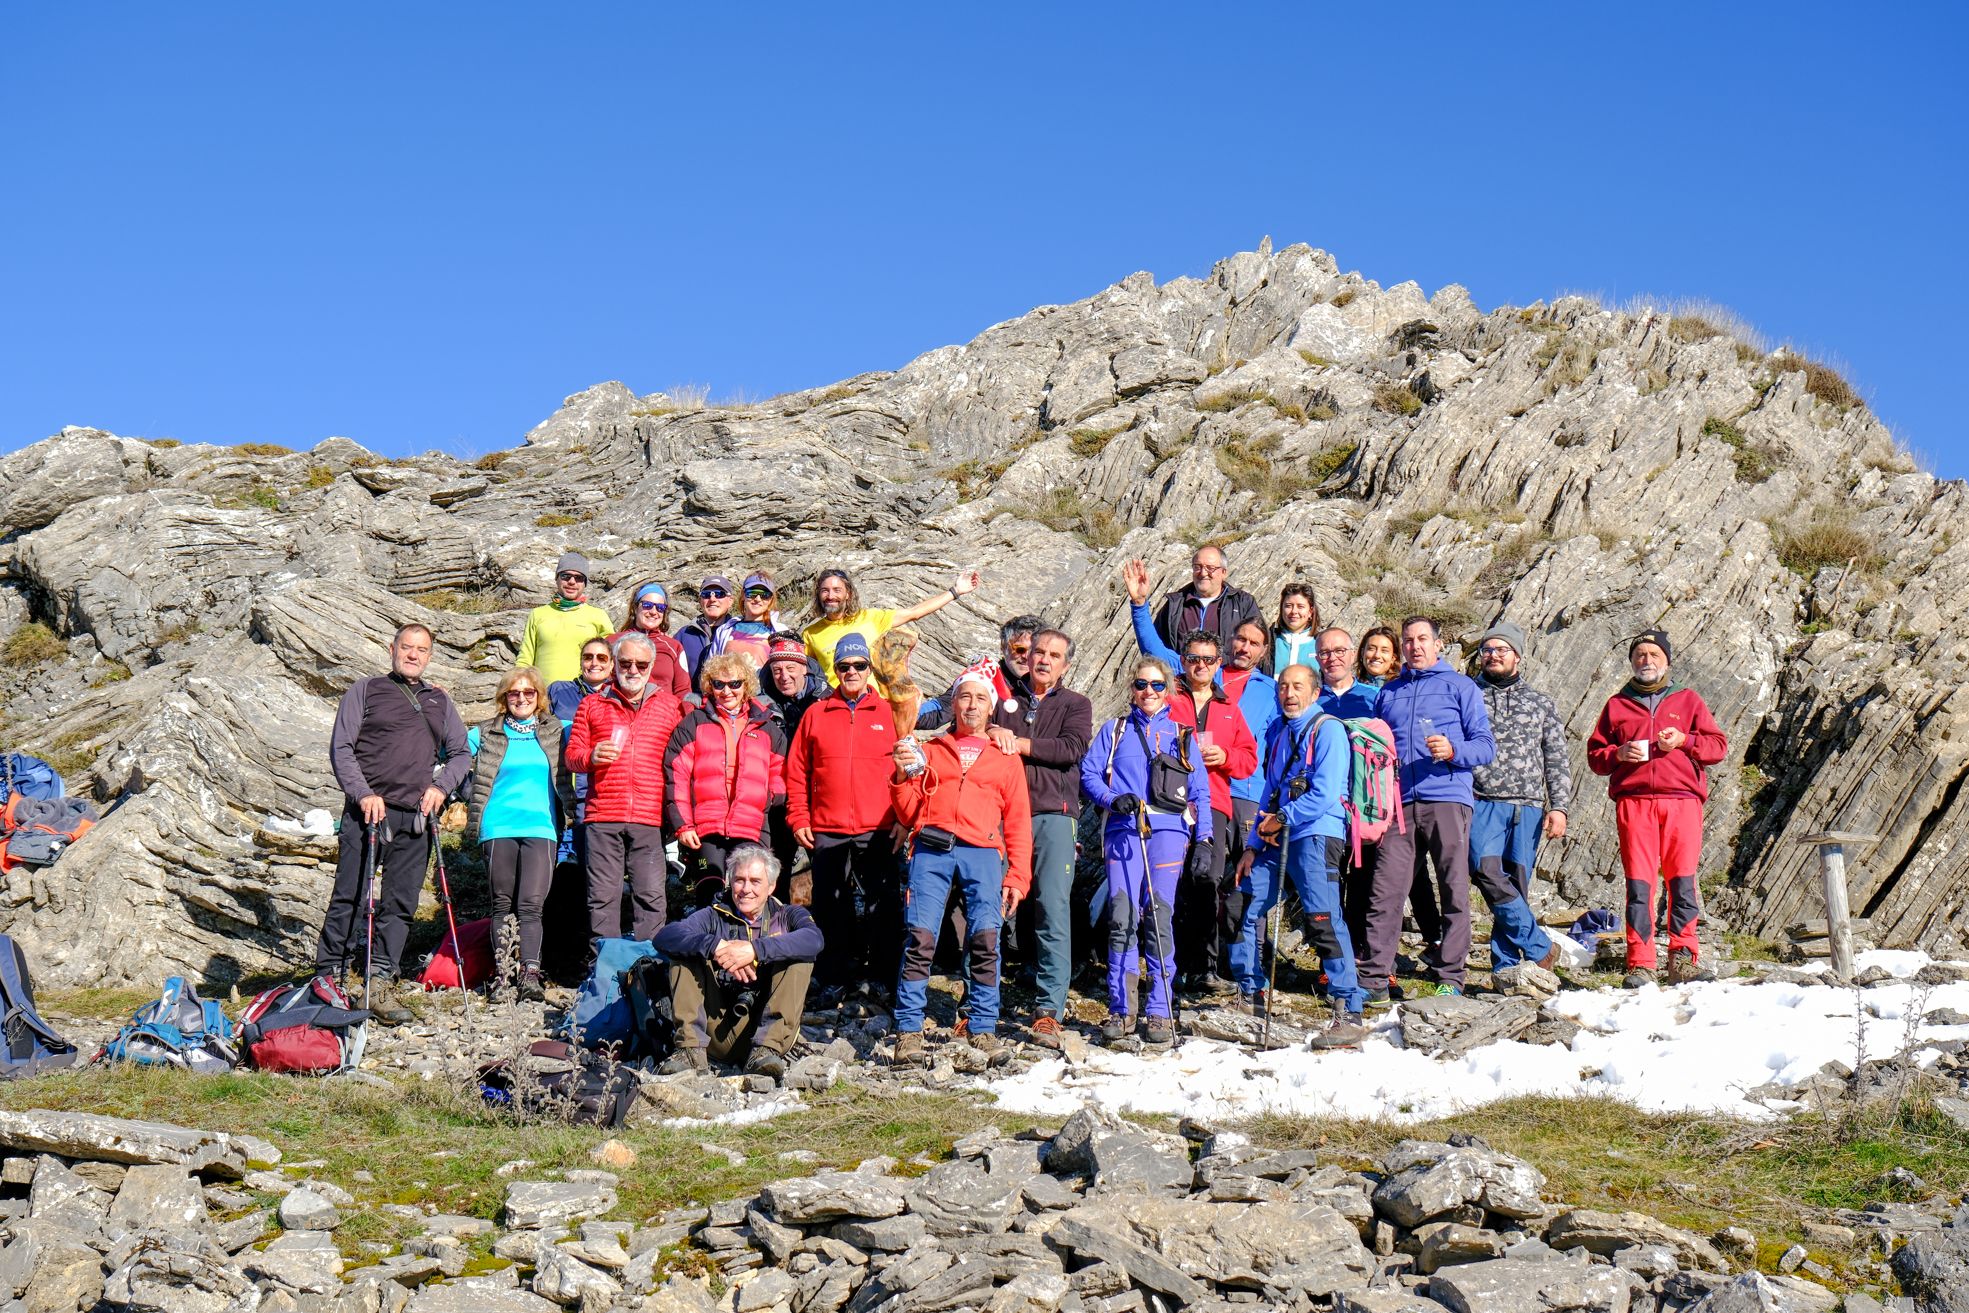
[725, 769]
[520, 793]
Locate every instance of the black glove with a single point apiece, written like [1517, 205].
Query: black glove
[1297, 788]
[1197, 865]
[1126, 805]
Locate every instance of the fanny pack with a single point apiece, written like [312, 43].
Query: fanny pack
[935, 839]
[1169, 773]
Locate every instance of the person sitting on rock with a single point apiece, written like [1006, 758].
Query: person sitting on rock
[739, 971]
[1655, 742]
[555, 632]
[520, 791]
[963, 801]
[398, 749]
[727, 767]
[649, 615]
[1207, 602]
[701, 637]
[1521, 796]
[839, 612]
[618, 741]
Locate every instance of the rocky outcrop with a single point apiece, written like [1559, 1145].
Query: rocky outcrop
[1582, 471]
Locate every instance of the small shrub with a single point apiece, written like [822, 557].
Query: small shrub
[1755, 461]
[113, 672]
[492, 460]
[1316, 360]
[1829, 538]
[32, 644]
[974, 478]
[1826, 383]
[1345, 297]
[259, 494]
[1321, 411]
[839, 392]
[320, 476]
[261, 449]
[1329, 461]
[164, 442]
[645, 543]
[1692, 328]
[1251, 466]
[1066, 511]
[1397, 399]
[561, 520]
[1091, 442]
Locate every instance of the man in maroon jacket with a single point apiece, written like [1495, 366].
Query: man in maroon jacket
[1655, 742]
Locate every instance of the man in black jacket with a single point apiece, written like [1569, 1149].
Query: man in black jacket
[1049, 725]
[1207, 602]
[397, 749]
[739, 971]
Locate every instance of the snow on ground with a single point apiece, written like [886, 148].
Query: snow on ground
[1697, 1048]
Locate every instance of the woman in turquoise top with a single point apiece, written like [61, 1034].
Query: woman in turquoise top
[1296, 628]
[520, 792]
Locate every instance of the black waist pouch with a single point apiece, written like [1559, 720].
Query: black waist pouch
[934, 839]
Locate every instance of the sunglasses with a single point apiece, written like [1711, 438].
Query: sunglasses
[587, 657]
[758, 594]
[727, 683]
[566, 575]
[851, 666]
[636, 665]
[714, 592]
[653, 606]
[1201, 658]
[512, 693]
[1156, 684]
[1020, 649]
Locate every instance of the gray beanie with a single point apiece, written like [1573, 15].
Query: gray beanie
[574, 561]
[1507, 631]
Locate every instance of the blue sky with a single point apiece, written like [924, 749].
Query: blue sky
[422, 225]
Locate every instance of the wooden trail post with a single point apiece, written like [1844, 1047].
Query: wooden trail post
[1832, 879]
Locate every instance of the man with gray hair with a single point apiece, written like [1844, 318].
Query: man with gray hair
[618, 740]
[1208, 602]
[739, 972]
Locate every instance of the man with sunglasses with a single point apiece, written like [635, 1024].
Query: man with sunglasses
[714, 619]
[1207, 602]
[618, 740]
[555, 632]
[1010, 678]
[838, 805]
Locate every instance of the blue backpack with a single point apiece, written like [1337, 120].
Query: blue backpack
[31, 1044]
[28, 776]
[602, 1016]
[177, 1029]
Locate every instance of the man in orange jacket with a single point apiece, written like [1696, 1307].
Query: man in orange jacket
[970, 825]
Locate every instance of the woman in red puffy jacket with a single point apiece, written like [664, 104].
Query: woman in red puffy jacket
[726, 767]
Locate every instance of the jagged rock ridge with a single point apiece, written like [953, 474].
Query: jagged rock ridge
[1581, 471]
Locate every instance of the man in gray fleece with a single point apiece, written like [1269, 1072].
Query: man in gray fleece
[1521, 796]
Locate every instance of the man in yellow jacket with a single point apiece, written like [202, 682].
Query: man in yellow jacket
[555, 632]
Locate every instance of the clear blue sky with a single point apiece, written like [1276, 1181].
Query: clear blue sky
[422, 225]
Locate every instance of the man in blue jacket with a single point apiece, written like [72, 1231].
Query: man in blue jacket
[1442, 734]
[1301, 826]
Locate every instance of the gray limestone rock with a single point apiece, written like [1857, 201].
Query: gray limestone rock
[1934, 1266]
[886, 1235]
[831, 1196]
[1510, 1285]
[1426, 1179]
[52, 1267]
[1754, 1292]
[1606, 1233]
[531, 1205]
[305, 1210]
[566, 1280]
[121, 1140]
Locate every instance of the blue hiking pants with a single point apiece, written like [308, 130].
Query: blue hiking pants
[1313, 865]
[1503, 848]
[1141, 905]
[979, 876]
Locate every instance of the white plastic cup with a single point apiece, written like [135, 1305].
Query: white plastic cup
[1203, 739]
[619, 737]
[1645, 746]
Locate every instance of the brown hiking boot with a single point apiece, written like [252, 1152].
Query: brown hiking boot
[988, 1043]
[1638, 978]
[1551, 959]
[683, 1060]
[1045, 1031]
[1118, 1026]
[1345, 1031]
[385, 1006]
[909, 1049]
[1159, 1032]
[1684, 969]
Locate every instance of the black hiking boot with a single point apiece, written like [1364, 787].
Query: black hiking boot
[767, 1063]
[531, 988]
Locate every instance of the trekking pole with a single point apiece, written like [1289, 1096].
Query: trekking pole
[1278, 909]
[1148, 882]
[374, 832]
[451, 921]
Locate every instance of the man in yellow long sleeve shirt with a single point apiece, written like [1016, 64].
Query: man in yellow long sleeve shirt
[555, 632]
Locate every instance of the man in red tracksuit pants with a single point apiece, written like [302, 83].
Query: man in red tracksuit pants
[1655, 742]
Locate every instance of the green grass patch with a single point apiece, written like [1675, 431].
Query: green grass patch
[1755, 461]
[1329, 461]
[1066, 511]
[1236, 398]
[1316, 360]
[259, 494]
[260, 449]
[1397, 399]
[113, 672]
[974, 478]
[320, 476]
[32, 644]
[1091, 442]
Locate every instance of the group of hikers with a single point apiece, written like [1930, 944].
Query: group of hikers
[1248, 758]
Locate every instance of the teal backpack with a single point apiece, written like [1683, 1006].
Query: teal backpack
[176, 1029]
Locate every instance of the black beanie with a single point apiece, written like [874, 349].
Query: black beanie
[1655, 636]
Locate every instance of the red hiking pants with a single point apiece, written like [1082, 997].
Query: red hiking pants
[1660, 839]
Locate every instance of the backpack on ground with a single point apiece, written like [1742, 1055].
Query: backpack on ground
[441, 970]
[1374, 783]
[558, 1081]
[309, 1029]
[28, 776]
[602, 1017]
[31, 1044]
[176, 1029]
[646, 989]
[39, 829]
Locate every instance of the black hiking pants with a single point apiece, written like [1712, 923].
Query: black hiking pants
[405, 850]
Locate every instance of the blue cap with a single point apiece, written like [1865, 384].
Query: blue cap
[652, 590]
[850, 647]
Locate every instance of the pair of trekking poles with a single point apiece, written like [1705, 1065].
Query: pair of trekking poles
[372, 865]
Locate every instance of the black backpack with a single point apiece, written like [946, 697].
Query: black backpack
[557, 1081]
[32, 1046]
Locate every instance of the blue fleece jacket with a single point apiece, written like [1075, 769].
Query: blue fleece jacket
[1357, 703]
[1130, 772]
[1317, 812]
[1258, 703]
[1453, 706]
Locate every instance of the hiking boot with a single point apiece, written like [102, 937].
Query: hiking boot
[987, 1042]
[1345, 1031]
[1550, 961]
[909, 1049]
[767, 1063]
[1253, 1004]
[1045, 1031]
[1638, 978]
[1118, 1026]
[683, 1060]
[384, 1005]
[1159, 1032]
[1447, 989]
[1378, 996]
[531, 988]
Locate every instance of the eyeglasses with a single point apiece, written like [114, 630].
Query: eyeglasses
[851, 666]
[1205, 569]
[1156, 684]
[714, 592]
[652, 606]
[566, 575]
[635, 665]
[727, 683]
[1020, 649]
[512, 693]
[1494, 649]
[1331, 653]
[1201, 658]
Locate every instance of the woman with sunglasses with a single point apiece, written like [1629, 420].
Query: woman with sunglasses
[1148, 833]
[726, 766]
[750, 634]
[520, 792]
[649, 615]
[555, 632]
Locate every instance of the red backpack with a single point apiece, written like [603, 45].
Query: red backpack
[475, 942]
[310, 1029]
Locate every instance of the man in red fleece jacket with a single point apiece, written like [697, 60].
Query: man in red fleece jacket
[970, 825]
[1655, 742]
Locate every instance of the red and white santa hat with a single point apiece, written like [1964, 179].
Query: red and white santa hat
[981, 671]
